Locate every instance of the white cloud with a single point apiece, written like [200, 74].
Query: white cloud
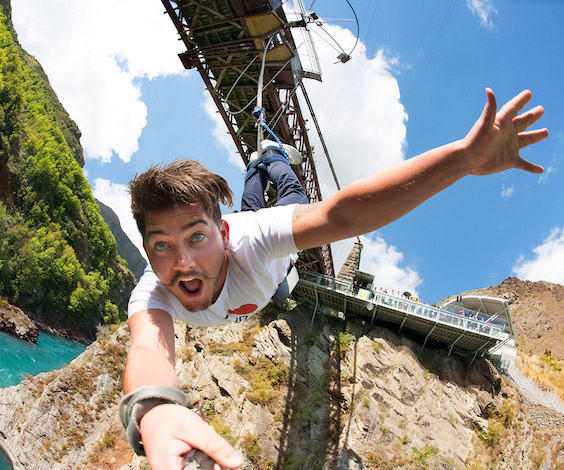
[117, 197]
[96, 51]
[545, 174]
[359, 111]
[546, 265]
[507, 192]
[364, 126]
[384, 261]
[222, 138]
[484, 10]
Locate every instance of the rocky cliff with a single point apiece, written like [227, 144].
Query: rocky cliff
[537, 310]
[14, 321]
[291, 395]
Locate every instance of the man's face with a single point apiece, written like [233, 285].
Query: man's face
[187, 251]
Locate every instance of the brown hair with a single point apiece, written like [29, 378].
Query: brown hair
[180, 182]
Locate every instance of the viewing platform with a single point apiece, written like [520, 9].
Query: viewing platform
[462, 330]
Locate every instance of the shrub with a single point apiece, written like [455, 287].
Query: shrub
[107, 441]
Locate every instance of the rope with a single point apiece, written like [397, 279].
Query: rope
[260, 116]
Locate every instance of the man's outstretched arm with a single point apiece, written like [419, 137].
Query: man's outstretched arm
[167, 431]
[491, 146]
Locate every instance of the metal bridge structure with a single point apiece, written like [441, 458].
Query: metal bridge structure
[226, 42]
[458, 329]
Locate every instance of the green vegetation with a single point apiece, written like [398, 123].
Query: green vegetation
[421, 456]
[311, 337]
[549, 360]
[250, 446]
[376, 346]
[266, 378]
[500, 420]
[244, 347]
[343, 343]
[57, 255]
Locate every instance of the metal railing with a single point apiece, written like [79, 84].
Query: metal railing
[531, 390]
[452, 315]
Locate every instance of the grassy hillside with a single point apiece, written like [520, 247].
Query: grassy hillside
[58, 258]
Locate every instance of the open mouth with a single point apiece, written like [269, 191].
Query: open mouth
[191, 287]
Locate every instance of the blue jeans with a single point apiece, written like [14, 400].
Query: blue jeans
[285, 181]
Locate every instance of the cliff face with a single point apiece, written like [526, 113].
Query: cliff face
[290, 395]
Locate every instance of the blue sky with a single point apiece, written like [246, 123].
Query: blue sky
[417, 80]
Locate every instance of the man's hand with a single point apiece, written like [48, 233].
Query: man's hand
[169, 431]
[494, 142]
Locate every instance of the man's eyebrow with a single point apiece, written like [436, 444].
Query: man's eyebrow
[186, 227]
[189, 225]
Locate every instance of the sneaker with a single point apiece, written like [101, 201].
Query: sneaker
[294, 157]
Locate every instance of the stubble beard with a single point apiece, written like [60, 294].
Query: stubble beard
[201, 275]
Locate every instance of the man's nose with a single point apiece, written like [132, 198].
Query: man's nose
[184, 259]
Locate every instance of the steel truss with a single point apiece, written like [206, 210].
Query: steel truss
[225, 41]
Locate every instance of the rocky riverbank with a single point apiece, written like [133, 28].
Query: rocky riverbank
[15, 322]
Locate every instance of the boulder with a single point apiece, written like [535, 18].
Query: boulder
[14, 321]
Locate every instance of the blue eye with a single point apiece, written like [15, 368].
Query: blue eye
[198, 237]
[160, 246]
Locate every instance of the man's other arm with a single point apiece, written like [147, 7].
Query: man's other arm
[491, 146]
[167, 431]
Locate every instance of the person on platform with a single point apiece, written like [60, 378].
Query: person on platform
[206, 269]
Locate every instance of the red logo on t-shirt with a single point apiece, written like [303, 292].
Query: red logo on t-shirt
[243, 309]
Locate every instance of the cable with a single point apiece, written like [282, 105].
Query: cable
[321, 26]
[442, 28]
[234, 113]
[357, 27]
[240, 76]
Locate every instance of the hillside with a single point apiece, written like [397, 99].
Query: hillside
[58, 259]
[125, 247]
[291, 395]
[537, 309]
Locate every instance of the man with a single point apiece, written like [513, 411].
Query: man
[207, 270]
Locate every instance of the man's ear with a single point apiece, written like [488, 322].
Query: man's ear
[145, 248]
[224, 230]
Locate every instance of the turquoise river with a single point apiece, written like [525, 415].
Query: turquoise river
[19, 358]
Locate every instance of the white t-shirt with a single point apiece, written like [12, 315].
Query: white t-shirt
[261, 250]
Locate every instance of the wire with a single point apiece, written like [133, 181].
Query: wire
[338, 45]
[235, 113]
[240, 76]
[357, 28]
[274, 121]
[434, 46]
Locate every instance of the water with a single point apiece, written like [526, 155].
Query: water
[4, 461]
[19, 358]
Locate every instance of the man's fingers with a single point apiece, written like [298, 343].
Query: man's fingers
[532, 137]
[527, 119]
[212, 444]
[489, 112]
[528, 166]
[515, 105]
